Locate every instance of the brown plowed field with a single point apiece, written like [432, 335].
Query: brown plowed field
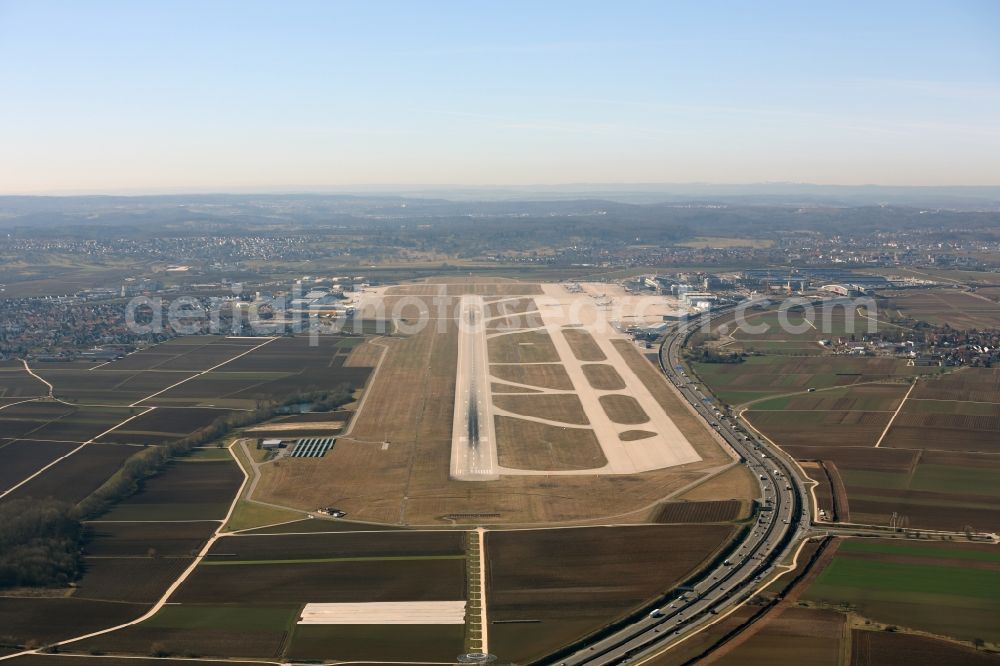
[71, 660]
[573, 581]
[947, 306]
[797, 635]
[48, 620]
[214, 641]
[820, 428]
[21, 459]
[699, 512]
[163, 424]
[136, 539]
[73, 478]
[968, 384]
[883, 648]
[342, 544]
[15, 382]
[129, 579]
[326, 582]
[185, 490]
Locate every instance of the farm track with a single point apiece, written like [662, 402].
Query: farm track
[170, 591]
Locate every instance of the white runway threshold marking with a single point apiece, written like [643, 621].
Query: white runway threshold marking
[385, 612]
[473, 439]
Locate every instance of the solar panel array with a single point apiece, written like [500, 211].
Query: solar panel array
[312, 447]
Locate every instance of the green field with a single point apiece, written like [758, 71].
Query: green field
[951, 591]
[916, 550]
[759, 377]
[264, 618]
[955, 479]
[247, 515]
[208, 453]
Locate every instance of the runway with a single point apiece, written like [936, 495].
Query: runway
[473, 441]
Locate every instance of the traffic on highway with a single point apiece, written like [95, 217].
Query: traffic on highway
[749, 565]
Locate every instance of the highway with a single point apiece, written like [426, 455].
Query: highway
[748, 566]
[473, 446]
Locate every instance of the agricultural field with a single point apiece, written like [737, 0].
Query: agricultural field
[869, 648]
[933, 467]
[712, 511]
[956, 412]
[245, 598]
[74, 660]
[259, 631]
[546, 588]
[41, 620]
[22, 458]
[126, 567]
[163, 424]
[210, 371]
[283, 367]
[796, 331]
[958, 309]
[807, 428]
[797, 635]
[17, 384]
[916, 489]
[146, 539]
[772, 376]
[73, 478]
[188, 489]
[949, 589]
[47, 420]
[399, 643]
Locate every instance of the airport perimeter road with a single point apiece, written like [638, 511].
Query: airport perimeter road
[473, 438]
[778, 526]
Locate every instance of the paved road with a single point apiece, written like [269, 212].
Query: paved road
[473, 447]
[780, 524]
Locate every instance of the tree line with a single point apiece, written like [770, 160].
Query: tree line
[41, 541]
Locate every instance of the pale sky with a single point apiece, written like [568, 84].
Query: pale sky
[193, 96]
